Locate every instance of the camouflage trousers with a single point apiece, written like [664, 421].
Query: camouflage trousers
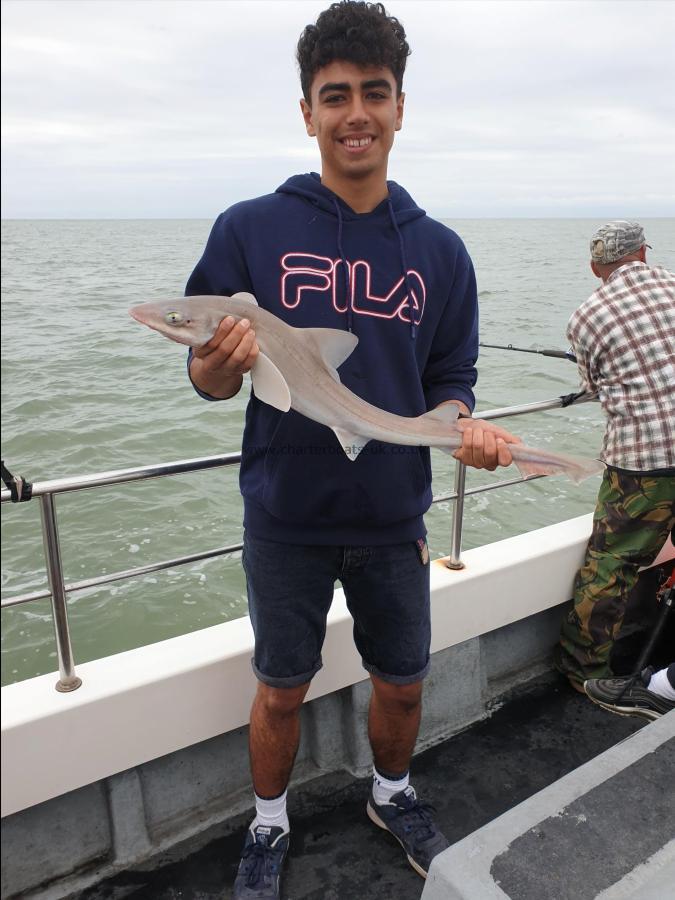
[633, 517]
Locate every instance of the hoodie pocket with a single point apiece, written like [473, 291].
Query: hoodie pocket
[308, 479]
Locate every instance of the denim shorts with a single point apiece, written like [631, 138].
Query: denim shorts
[290, 590]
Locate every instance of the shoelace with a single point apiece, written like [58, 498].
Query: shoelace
[418, 819]
[259, 854]
[629, 685]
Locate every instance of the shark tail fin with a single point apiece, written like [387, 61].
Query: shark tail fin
[575, 467]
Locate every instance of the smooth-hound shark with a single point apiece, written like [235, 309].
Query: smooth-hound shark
[297, 368]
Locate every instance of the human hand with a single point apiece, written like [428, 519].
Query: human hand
[484, 445]
[217, 367]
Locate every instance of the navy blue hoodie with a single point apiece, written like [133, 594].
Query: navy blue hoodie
[405, 285]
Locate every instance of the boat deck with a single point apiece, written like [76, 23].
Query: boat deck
[542, 732]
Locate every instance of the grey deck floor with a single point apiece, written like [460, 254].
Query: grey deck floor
[543, 732]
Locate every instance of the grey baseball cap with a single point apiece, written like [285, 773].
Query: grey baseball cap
[613, 241]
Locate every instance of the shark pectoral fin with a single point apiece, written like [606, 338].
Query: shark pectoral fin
[351, 443]
[244, 295]
[447, 413]
[269, 385]
[334, 346]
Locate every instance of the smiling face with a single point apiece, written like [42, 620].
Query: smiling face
[354, 114]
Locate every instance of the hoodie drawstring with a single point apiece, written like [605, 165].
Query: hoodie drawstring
[406, 277]
[345, 267]
[404, 266]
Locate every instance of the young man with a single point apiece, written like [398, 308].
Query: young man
[347, 250]
[623, 338]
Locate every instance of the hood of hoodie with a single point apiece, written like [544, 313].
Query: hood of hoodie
[309, 186]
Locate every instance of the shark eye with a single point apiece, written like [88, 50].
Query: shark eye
[173, 318]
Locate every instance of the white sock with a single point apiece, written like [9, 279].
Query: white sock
[385, 788]
[659, 684]
[271, 813]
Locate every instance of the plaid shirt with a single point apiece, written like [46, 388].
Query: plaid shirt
[624, 340]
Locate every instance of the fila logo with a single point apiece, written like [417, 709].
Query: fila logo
[305, 277]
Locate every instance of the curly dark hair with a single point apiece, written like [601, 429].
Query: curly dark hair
[357, 32]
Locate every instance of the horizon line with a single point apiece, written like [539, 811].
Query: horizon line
[210, 218]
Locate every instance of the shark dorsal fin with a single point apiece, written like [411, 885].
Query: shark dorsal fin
[244, 295]
[447, 414]
[269, 385]
[351, 443]
[333, 345]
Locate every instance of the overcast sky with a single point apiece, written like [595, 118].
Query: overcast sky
[152, 108]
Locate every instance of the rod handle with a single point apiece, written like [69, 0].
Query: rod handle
[559, 354]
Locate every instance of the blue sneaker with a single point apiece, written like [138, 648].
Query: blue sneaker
[261, 861]
[412, 825]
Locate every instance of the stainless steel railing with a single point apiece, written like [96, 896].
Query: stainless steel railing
[58, 592]
[454, 560]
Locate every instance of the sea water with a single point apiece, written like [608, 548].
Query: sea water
[85, 389]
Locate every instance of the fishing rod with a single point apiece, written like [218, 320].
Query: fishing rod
[557, 354]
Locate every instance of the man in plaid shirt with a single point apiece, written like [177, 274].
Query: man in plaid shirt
[624, 340]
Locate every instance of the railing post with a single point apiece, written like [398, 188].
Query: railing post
[68, 680]
[454, 561]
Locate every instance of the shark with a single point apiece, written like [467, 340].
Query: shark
[297, 368]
